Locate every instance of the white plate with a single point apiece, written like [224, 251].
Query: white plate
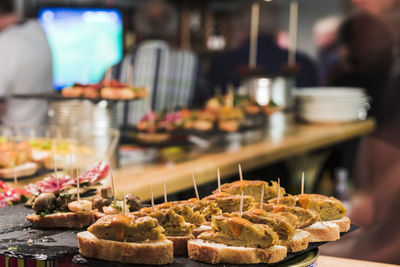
[323, 92]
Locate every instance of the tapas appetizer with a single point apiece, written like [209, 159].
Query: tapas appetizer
[16, 160]
[56, 201]
[10, 196]
[108, 89]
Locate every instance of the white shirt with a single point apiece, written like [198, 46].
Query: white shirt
[25, 68]
[169, 74]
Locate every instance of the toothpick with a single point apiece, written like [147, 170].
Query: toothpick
[124, 205]
[195, 187]
[241, 205]
[15, 175]
[78, 185]
[71, 171]
[54, 162]
[219, 180]
[152, 197]
[302, 183]
[165, 192]
[14, 165]
[279, 190]
[240, 173]
[262, 197]
[112, 187]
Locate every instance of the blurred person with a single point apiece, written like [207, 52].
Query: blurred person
[25, 68]
[224, 67]
[172, 76]
[325, 33]
[367, 48]
[376, 7]
[371, 60]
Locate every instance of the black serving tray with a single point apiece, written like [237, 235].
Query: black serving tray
[53, 244]
[58, 97]
[184, 261]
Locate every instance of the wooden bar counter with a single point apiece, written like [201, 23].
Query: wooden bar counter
[328, 261]
[137, 179]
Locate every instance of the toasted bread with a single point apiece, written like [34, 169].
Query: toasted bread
[299, 241]
[344, 224]
[152, 252]
[201, 229]
[75, 220]
[213, 253]
[180, 244]
[27, 169]
[323, 231]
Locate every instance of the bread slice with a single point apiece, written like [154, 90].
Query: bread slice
[344, 224]
[180, 244]
[201, 229]
[299, 241]
[152, 252]
[26, 169]
[75, 220]
[323, 231]
[213, 253]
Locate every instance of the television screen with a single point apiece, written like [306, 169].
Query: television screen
[84, 42]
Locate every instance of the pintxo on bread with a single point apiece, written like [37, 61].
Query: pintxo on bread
[224, 227]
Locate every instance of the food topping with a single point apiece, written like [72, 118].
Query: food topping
[127, 228]
[236, 231]
[45, 203]
[80, 206]
[133, 202]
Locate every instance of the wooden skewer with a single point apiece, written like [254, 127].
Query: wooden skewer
[165, 192]
[78, 186]
[219, 180]
[112, 187]
[279, 191]
[262, 197]
[302, 183]
[195, 187]
[241, 205]
[294, 7]
[152, 197]
[240, 173]
[255, 14]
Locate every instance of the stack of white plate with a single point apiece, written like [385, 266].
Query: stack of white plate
[332, 104]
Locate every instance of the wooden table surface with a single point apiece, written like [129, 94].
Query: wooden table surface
[327, 261]
[137, 179]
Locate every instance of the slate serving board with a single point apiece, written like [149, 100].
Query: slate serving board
[48, 244]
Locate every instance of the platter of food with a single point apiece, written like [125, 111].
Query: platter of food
[244, 222]
[106, 90]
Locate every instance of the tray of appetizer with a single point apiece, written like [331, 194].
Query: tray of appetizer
[105, 90]
[245, 222]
